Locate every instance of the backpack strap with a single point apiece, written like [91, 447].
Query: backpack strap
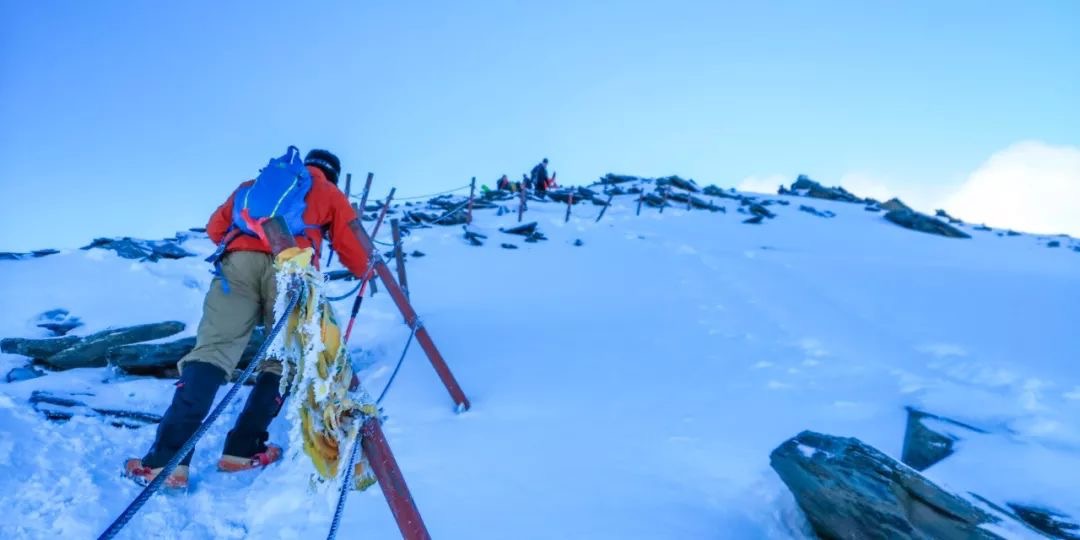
[215, 258]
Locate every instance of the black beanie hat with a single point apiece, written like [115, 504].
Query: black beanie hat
[327, 162]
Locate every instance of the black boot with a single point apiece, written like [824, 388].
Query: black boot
[248, 437]
[195, 391]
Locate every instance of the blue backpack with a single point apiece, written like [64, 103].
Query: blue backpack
[280, 190]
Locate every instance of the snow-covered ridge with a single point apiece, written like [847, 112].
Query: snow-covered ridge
[629, 376]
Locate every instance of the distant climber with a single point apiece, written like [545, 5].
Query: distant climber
[504, 184]
[539, 177]
[242, 295]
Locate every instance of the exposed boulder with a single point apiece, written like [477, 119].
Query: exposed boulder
[929, 438]
[714, 191]
[759, 210]
[804, 185]
[1053, 244]
[848, 489]
[474, 238]
[756, 220]
[524, 230]
[159, 359]
[23, 373]
[62, 408]
[92, 351]
[695, 202]
[578, 242]
[58, 321]
[895, 204]
[1050, 522]
[815, 211]
[611, 178]
[943, 214]
[654, 200]
[11, 256]
[677, 182]
[505, 245]
[983, 228]
[924, 223]
[417, 253]
[142, 250]
[38, 349]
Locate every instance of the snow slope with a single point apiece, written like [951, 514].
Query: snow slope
[631, 387]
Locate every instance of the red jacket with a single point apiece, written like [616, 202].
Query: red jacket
[327, 207]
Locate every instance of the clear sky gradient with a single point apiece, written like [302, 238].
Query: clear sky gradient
[138, 118]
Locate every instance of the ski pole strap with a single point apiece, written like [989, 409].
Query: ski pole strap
[159, 480]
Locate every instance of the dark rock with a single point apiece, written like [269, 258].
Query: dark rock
[815, 211]
[58, 321]
[618, 178]
[925, 445]
[10, 256]
[1050, 522]
[654, 200]
[92, 351]
[759, 210]
[38, 349]
[474, 238]
[695, 202]
[159, 359]
[532, 239]
[198, 229]
[713, 191]
[579, 243]
[1012, 233]
[44, 252]
[675, 181]
[813, 189]
[63, 408]
[1053, 244]
[754, 220]
[924, 223]
[782, 202]
[24, 373]
[142, 250]
[983, 227]
[943, 214]
[523, 230]
[508, 246]
[850, 490]
[895, 204]
[417, 253]
[872, 209]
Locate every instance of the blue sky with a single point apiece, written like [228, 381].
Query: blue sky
[138, 118]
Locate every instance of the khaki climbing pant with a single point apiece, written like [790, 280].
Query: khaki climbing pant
[230, 317]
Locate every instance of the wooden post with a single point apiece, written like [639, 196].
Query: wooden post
[569, 205]
[640, 199]
[472, 193]
[604, 209]
[411, 318]
[367, 189]
[348, 184]
[689, 201]
[521, 202]
[399, 256]
[664, 202]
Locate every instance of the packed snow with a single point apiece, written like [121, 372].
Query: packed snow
[629, 387]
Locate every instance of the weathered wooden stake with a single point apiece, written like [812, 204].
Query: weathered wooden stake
[472, 194]
[521, 202]
[399, 256]
[367, 189]
[569, 205]
[604, 209]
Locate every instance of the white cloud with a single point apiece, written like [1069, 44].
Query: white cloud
[764, 184]
[1029, 186]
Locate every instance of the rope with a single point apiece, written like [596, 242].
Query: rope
[159, 480]
[397, 367]
[346, 484]
[428, 196]
[346, 295]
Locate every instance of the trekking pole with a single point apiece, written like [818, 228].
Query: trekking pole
[521, 201]
[604, 209]
[366, 278]
[472, 192]
[277, 232]
[399, 256]
[569, 205]
[348, 188]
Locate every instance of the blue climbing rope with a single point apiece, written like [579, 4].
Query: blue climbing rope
[397, 367]
[159, 480]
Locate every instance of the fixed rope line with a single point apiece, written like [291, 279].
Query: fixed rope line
[427, 196]
[346, 483]
[159, 480]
